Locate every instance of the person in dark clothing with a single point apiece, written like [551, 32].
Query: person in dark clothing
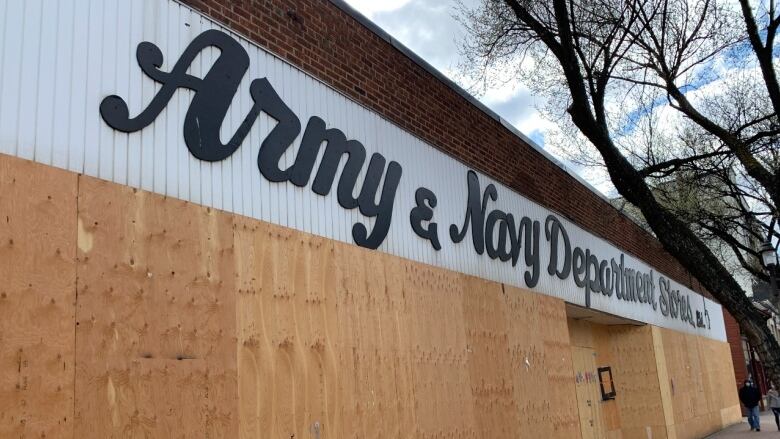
[773, 400]
[749, 395]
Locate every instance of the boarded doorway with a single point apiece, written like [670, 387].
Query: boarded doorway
[604, 341]
[588, 392]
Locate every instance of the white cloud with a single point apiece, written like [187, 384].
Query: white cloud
[370, 8]
[429, 29]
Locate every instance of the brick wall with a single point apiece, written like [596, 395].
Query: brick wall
[734, 337]
[326, 42]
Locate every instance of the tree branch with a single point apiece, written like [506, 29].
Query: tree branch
[763, 53]
[677, 163]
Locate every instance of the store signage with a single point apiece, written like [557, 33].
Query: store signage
[213, 95]
[502, 235]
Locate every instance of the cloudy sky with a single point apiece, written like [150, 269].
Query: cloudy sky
[429, 28]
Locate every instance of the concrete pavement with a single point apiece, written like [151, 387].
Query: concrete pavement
[742, 430]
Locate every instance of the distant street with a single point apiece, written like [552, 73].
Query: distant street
[742, 430]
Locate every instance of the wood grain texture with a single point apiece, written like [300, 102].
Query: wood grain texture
[155, 335]
[639, 400]
[286, 319]
[37, 299]
[338, 341]
[191, 322]
[669, 384]
[637, 409]
[699, 373]
[541, 365]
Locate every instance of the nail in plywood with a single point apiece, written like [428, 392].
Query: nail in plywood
[155, 335]
[37, 294]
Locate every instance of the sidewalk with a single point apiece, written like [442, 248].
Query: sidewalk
[742, 430]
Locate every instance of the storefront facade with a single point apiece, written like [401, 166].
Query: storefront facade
[214, 229]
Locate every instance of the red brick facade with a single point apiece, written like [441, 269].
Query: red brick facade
[323, 40]
[734, 337]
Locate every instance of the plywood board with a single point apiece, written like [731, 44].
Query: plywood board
[697, 369]
[338, 341]
[640, 404]
[439, 352]
[603, 343]
[588, 393]
[664, 382]
[155, 334]
[669, 384]
[637, 409]
[192, 322]
[489, 365]
[541, 365]
[37, 295]
[343, 342]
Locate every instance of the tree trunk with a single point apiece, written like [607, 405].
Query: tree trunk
[680, 241]
[675, 236]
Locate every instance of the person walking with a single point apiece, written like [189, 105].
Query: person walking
[749, 395]
[774, 403]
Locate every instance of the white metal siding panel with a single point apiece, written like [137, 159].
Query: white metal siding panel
[60, 59]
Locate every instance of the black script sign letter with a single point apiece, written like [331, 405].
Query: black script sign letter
[209, 105]
[206, 114]
[424, 212]
[475, 213]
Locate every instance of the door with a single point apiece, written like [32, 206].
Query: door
[586, 380]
